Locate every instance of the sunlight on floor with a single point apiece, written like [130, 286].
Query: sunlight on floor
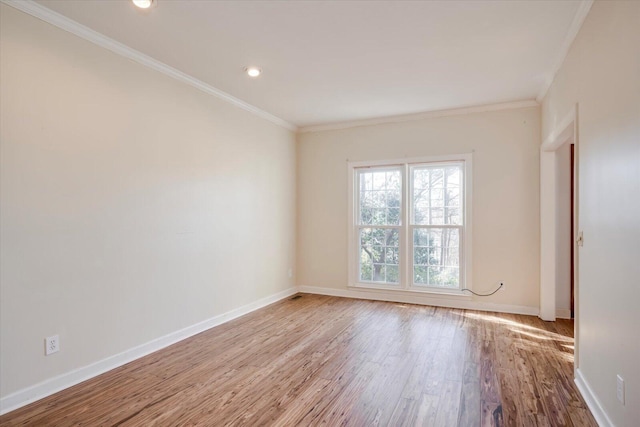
[530, 337]
[553, 337]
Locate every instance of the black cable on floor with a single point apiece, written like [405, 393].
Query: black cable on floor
[484, 295]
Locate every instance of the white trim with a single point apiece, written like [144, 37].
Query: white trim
[574, 28]
[565, 131]
[562, 131]
[419, 298]
[433, 291]
[410, 160]
[563, 313]
[528, 103]
[468, 221]
[47, 15]
[592, 402]
[351, 220]
[53, 385]
[547, 235]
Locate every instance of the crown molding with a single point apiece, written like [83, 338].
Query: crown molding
[421, 116]
[574, 28]
[47, 15]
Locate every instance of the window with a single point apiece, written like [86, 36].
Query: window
[410, 224]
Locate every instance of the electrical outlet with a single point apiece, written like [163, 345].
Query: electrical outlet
[502, 285]
[620, 388]
[51, 345]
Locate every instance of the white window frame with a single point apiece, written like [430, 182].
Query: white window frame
[400, 227]
[406, 228]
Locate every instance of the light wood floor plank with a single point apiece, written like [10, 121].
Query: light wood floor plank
[319, 360]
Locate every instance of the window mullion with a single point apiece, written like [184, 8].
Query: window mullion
[406, 202]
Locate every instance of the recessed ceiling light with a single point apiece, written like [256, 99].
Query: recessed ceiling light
[144, 4]
[253, 71]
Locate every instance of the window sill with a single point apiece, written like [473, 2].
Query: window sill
[416, 291]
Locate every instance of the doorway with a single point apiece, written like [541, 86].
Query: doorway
[552, 227]
[564, 274]
[572, 234]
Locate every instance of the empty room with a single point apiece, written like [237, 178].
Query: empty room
[340, 213]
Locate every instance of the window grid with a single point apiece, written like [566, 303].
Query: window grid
[427, 197]
[437, 263]
[379, 217]
[441, 186]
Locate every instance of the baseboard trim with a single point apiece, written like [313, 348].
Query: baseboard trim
[385, 295]
[53, 385]
[593, 403]
[563, 313]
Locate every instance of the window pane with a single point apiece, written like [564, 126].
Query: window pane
[443, 277]
[379, 216]
[420, 275]
[437, 195]
[421, 237]
[392, 274]
[366, 216]
[379, 259]
[436, 198]
[437, 216]
[453, 176]
[380, 197]
[436, 257]
[393, 216]
[391, 256]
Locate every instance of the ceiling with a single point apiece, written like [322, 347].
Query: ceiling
[335, 61]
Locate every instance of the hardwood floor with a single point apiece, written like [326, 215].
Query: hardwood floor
[332, 361]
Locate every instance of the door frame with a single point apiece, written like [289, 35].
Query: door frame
[566, 132]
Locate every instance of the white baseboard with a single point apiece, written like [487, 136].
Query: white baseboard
[407, 298]
[592, 402]
[563, 313]
[53, 385]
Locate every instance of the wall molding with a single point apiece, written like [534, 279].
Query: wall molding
[592, 401]
[528, 103]
[574, 28]
[422, 299]
[47, 15]
[563, 313]
[564, 130]
[53, 385]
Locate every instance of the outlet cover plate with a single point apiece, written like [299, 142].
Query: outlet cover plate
[620, 388]
[51, 345]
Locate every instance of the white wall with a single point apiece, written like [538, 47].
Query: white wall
[506, 238]
[601, 74]
[132, 205]
[563, 230]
